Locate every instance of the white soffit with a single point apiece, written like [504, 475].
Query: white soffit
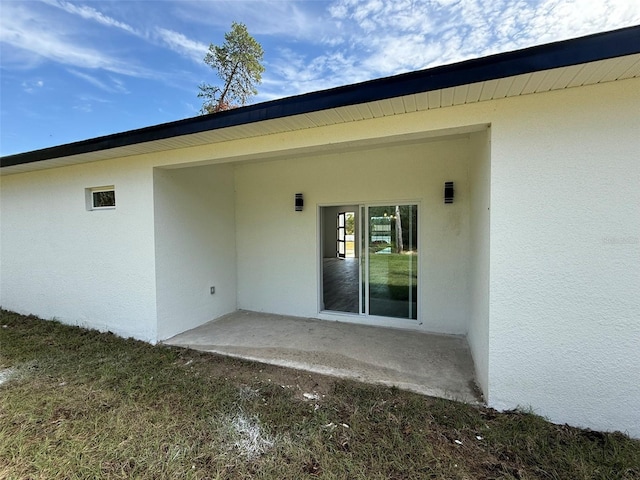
[601, 71]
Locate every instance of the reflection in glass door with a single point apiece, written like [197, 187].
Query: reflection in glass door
[342, 235]
[392, 253]
[371, 254]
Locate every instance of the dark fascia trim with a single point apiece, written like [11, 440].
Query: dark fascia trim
[591, 48]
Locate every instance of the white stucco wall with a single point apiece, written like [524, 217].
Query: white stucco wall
[195, 241]
[479, 274]
[278, 248]
[565, 256]
[89, 268]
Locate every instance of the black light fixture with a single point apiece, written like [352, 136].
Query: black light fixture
[448, 192]
[299, 203]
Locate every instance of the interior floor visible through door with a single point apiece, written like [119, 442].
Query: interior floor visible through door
[340, 280]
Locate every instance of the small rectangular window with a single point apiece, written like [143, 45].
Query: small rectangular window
[101, 198]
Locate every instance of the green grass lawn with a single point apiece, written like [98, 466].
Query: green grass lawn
[391, 275]
[81, 404]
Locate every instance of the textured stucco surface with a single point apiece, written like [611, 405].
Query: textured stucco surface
[279, 249]
[195, 240]
[90, 268]
[565, 256]
[480, 200]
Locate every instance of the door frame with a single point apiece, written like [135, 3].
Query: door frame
[365, 318]
[341, 231]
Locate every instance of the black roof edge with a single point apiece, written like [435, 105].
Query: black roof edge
[599, 46]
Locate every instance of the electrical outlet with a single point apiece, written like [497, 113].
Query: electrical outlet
[213, 290]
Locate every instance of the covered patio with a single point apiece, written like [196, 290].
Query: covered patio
[436, 365]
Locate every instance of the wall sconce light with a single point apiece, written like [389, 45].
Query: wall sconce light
[299, 203]
[448, 192]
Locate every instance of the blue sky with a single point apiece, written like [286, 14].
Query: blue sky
[72, 70]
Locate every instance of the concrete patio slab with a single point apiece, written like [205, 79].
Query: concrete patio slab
[436, 365]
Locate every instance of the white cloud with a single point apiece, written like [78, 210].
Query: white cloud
[31, 86]
[181, 44]
[175, 41]
[116, 85]
[399, 54]
[391, 37]
[90, 13]
[293, 73]
[85, 102]
[302, 21]
[83, 107]
[91, 79]
[379, 38]
[34, 35]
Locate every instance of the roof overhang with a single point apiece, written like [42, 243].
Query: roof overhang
[587, 60]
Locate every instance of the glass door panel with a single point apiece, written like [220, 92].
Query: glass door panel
[340, 267]
[392, 266]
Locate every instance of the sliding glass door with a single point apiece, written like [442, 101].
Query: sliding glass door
[386, 258]
[392, 261]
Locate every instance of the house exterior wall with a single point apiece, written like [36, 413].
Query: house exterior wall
[480, 203]
[565, 256]
[88, 268]
[562, 266]
[279, 249]
[195, 246]
[560, 329]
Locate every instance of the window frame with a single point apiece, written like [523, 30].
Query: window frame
[90, 197]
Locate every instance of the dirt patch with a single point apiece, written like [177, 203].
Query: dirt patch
[298, 382]
[247, 435]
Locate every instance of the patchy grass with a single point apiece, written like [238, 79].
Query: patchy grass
[81, 404]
